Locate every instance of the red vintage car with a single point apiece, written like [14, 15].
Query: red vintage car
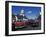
[19, 23]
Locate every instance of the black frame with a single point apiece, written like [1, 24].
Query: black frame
[7, 17]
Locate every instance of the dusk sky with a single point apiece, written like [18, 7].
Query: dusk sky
[29, 11]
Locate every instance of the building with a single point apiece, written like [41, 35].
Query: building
[21, 16]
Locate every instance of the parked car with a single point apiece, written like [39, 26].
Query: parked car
[19, 24]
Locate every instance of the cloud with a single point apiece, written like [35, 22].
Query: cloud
[22, 11]
[40, 13]
[29, 11]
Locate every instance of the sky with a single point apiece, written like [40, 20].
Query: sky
[29, 11]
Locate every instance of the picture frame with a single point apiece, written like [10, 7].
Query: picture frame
[12, 7]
